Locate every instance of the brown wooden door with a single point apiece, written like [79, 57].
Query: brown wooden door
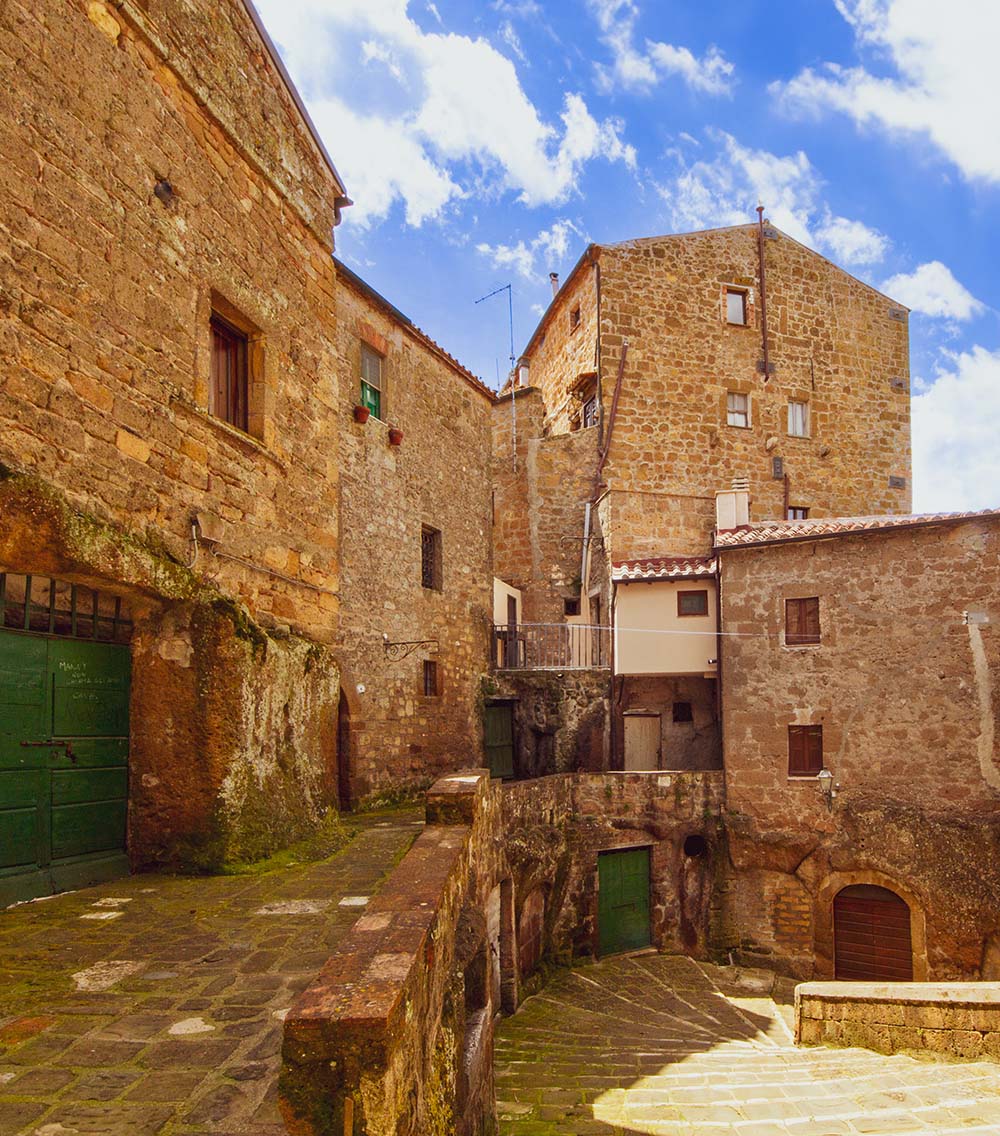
[871, 932]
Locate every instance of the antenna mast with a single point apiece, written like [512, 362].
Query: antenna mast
[513, 374]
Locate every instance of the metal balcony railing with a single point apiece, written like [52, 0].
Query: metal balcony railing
[550, 646]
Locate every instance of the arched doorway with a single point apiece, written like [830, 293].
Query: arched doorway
[344, 753]
[871, 935]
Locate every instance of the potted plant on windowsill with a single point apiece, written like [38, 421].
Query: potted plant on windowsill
[361, 413]
[395, 436]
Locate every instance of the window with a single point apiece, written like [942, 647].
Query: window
[692, 603]
[371, 380]
[571, 607]
[431, 686]
[797, 513]
[737, 409]
[798, 419]
[736, 306]
[805, 750]
[590, 412]
[802, 620]
[574, 318]
[229, 392]
[430, 558]
[682, 712]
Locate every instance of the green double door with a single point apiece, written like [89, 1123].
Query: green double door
[623, 900]
[63, 763]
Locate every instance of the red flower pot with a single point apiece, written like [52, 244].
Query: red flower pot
[395, 436]
[361, 414]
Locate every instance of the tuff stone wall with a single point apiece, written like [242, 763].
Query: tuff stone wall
[398, 737]
[906, 695]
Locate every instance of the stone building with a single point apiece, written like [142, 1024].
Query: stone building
[860, 669]
[664, 369]
[185, 501]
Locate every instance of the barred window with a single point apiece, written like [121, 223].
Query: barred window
[430, 558]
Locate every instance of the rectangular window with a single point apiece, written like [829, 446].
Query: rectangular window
[431, 687]
[805, 750]
[590, 412]
[737, 409]
[571, 607]
[574, 319]
[229, 395]
[798, 419]
[371, 380]
[692, 603]
[430, 558]
[797, 513]
[802, 620]
[736, 306]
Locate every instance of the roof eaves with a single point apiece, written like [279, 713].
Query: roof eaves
[586, 257]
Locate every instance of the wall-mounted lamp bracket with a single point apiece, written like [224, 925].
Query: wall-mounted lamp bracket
[400, 649]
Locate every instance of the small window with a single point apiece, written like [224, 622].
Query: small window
[571, 607]
[574, 318]
[797, 513]
[805, 750]
[590, 412]
[230, 387]
[737, 409]
[692, 603]
[682, 712]
[798, 419]
[736, 306]
[431, 682]
[371, 380]
[802, 620]
[430, 558]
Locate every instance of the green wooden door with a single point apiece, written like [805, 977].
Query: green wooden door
[63, 763]
[500, 739]
[623, 900]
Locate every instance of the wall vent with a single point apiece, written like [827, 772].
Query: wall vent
[777, 468]
[898, 384]
[898, 314]
[771, 234]
[897, 482]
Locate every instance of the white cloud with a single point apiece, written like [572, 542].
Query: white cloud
[956, 423]
[639, 68]
[932, 290]
[724, 190]
[543, 254]
[943, 55]
[451, 113]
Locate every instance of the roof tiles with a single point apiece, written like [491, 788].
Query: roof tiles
[774, 532]
[663, 568]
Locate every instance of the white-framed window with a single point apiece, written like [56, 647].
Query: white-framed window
[798, 419]
[736, 306]
[737, 409]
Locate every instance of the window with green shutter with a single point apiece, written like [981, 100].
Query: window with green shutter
[371, 380]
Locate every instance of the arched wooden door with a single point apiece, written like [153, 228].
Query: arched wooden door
[871, 935]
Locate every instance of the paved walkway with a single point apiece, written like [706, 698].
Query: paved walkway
[659, 1044]
[154, 1005]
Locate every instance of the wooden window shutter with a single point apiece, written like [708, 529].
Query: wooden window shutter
[802, 620]
[805, 750]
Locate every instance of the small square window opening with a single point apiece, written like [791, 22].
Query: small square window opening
[371, 380]
[229, 395]
[682, 712]
[431, 682]
[571, 607]
[737, 409]
[430, 558]
[802, 620]
[692, 603]
[736, 307]
[805, 750]
[797, 513]
[798, 419]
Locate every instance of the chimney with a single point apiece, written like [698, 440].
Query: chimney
[732, 506]
[554, 281]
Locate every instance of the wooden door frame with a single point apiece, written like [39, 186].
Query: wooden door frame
[645, 846]
[658, 715]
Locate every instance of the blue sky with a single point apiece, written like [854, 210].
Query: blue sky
[487, 143]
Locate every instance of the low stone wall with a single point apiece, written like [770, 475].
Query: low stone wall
[395, 1037]
[954, 1019]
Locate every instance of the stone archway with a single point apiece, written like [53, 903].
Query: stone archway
[823, 919]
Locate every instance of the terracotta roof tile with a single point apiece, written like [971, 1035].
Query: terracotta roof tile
[773, 532]
[663, 568]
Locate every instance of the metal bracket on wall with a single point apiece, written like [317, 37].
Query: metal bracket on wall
[399, 650]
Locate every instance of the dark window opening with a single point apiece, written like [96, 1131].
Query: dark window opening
[682, 712]
[430, 558]
[230, 386]
[692, 603]
[695, 845]
[571, 607]
[590, 412]
[431, 681]
[802, 620]
[805, 750]
[574, 318]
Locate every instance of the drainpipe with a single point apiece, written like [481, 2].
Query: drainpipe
[763, 291]
[597, 355]
[787, 496]
[606, 449]
[719, 640]
[584, 551]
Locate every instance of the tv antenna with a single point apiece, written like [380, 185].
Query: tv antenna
[513, 358]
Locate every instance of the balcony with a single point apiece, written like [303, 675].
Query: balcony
[550, 646]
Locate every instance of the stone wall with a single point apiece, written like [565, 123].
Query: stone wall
[397, 737]
[395, 1036]
[684, 744]
[905, 694]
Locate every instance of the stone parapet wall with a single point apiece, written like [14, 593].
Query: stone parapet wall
[955, 1020]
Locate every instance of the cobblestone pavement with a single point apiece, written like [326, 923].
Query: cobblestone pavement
[662, 1045]
[154, 1004]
